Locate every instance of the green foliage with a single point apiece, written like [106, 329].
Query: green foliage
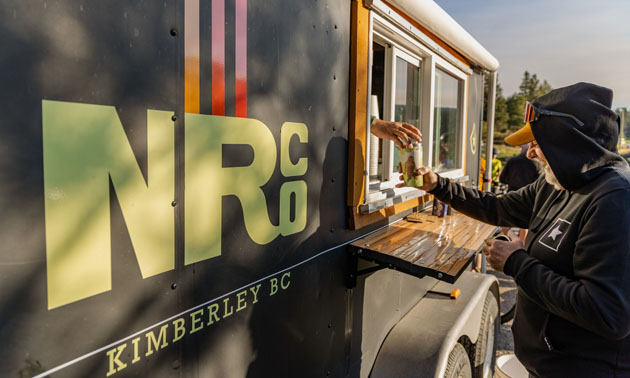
[501, 115]
[531, 87]
[506, 152]
[509, 111]
[515, 106]
[624, 115]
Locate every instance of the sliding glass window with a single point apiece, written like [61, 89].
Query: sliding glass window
[447, 116]
[407, 99]
[395, 96]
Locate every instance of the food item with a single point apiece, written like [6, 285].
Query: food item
[410, 162]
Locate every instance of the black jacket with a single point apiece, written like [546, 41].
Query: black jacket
[573, 308]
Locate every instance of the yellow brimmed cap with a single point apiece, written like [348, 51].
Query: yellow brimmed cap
[521, 136]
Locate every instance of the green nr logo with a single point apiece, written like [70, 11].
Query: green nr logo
[85, 145]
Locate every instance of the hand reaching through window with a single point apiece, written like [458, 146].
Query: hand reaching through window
[400, 133]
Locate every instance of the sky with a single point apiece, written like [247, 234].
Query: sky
[561, 41]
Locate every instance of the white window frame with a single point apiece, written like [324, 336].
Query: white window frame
[400, 42]
[390, 103]
[386, 188]
[461, 126]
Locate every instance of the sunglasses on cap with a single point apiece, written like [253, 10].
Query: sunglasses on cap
[532, 113]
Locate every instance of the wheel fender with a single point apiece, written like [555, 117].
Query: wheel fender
[419, 344]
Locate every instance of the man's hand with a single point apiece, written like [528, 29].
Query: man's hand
[498, 251]
[429, 178]
[400, 133]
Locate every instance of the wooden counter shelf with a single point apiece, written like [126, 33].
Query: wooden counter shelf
[435, 247]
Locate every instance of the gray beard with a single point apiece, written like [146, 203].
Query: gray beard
[549, 176]
[552, 179]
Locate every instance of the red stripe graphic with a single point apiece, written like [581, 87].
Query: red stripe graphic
[218, 57]
[241, 58]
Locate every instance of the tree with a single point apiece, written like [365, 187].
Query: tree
[624, 118]
[500, 108]
[501, 115]
[531, 88]
[515, 107]
[528, 86]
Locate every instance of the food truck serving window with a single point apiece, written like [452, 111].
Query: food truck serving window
[395, 96]
[405, 80]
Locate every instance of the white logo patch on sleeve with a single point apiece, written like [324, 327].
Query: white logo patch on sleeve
[553, 237]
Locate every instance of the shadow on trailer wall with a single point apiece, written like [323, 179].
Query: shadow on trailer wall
[84, 54]
[131, 57]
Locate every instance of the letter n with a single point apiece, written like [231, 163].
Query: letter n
[84, 147]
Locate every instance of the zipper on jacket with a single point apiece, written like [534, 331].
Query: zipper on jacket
[544, 329]
[549, 346]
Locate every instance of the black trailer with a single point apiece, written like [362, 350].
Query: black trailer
[189, 188]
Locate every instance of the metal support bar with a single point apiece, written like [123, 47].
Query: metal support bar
[353, 265]
[370, 270]
[353, 262]
[492, 90]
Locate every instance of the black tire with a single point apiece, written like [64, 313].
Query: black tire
[509, 315]
[483, 365]
[458, 365]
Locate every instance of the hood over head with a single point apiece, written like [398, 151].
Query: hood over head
[578, 154]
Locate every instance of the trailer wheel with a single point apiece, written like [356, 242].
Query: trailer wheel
[458, 365]
[483, 354]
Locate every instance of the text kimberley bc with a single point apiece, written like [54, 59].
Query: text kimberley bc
[191, 322]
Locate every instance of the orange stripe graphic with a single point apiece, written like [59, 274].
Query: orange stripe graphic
[191, 52]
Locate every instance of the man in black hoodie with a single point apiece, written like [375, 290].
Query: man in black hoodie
[573, 271]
